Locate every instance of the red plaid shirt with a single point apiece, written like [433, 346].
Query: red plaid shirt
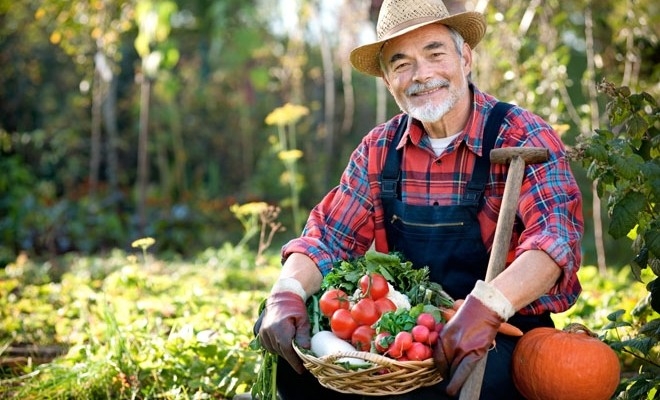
[350, 218]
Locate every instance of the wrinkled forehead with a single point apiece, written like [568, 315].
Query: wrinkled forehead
[417, 39]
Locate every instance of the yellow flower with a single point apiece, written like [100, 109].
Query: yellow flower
[254, 208]
[144, 243]
[287, 114]
[290, 155]
[561, 128]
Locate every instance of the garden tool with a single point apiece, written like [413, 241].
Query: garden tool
[517, 158]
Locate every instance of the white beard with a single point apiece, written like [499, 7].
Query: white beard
[430, 112]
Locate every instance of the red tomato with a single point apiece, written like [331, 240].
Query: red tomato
[342, 324]
[403, 340]
[364, 312]
[374, 285]
[418, 352]
[427, 320]
[420, 333]
[384, 305]
[382, 342]
[332, 300]
[362, 337]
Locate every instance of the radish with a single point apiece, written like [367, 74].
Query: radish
[325, 343]
[420, 333]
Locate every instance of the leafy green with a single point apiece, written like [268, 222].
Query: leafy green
[265, 385]
[395, 322]
[413, 282]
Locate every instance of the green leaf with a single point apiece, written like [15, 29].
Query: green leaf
[652, 240]
[639, 389]
[642, 345]
[625, 214]
[655, 266]
[618, 110]
[596, 151]
[636, 126]
[640, 262]
[616, 315]
[628, 167]
[654, 288]
[593, 171]
[651, 328]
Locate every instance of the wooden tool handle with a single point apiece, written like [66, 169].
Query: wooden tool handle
[497, 261]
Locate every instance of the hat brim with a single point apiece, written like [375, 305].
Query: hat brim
[471, 25]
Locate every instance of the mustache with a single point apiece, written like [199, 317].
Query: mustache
[423, 87]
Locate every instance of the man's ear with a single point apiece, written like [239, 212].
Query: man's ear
[387, 84]
[467, 59]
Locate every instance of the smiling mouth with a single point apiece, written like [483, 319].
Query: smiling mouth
[420, 90]
[427, 92]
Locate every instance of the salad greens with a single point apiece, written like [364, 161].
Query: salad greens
[413, 282]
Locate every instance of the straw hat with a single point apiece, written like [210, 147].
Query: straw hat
[397, 17]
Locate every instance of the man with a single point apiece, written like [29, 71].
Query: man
[415, 184]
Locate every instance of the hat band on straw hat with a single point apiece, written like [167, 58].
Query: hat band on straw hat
[407, 24]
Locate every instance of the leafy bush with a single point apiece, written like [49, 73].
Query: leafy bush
[624, 161]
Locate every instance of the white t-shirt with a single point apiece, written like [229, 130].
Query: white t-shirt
[439, 145]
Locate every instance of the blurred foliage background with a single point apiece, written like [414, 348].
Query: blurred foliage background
[207, 123]
[128, 118]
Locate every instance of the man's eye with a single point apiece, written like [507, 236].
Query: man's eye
[400, 66]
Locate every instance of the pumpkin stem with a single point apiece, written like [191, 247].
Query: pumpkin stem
[576, 327]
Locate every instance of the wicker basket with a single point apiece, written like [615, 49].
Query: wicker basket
[380, 376]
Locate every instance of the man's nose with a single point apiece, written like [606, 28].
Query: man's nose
[423, 71]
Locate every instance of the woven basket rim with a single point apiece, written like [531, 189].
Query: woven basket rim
[370, 380]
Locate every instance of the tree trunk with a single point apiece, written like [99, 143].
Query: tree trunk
[329, 106]
[95, 140]
[110, 125]
[595, 116]
[143, 153]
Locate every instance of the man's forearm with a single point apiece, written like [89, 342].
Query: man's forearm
[303, 270]
[529, 277]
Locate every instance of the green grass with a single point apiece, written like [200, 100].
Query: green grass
[141, 328]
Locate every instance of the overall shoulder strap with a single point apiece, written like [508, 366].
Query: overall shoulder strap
[475, 188]
[389, 177]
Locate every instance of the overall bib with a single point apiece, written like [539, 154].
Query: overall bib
[448, 240]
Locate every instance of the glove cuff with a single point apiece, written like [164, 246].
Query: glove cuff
[492, 298]
[289, 285]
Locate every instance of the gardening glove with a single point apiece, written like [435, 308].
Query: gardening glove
[467, 337]
[284, 319]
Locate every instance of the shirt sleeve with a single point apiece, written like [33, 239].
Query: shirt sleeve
[550, 207]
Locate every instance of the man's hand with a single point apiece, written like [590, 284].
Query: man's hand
[465, 339]
[283, 319]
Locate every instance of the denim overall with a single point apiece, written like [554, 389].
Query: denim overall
[448, 240]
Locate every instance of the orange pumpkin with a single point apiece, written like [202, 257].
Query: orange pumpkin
[569, 364]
